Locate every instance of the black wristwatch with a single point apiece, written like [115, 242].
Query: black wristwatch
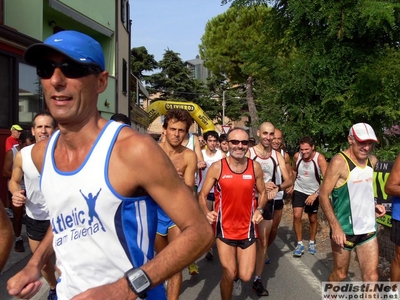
[139, 282]
[279, 188]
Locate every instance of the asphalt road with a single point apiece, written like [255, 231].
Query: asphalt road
[288, 277]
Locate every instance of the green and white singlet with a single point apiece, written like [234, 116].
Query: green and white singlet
[353, 201]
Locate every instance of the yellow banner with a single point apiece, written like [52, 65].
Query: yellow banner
[381, 174]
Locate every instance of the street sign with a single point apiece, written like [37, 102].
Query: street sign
[226, 128]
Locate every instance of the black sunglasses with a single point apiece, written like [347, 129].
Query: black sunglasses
[237, 142]
[70, 69]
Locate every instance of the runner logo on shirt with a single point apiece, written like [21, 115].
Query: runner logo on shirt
[84, 220]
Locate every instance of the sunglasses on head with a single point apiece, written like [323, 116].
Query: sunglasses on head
[70, 69]
[237, 142]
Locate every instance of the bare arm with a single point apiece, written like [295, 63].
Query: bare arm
[294, 166]
[287, 179]
[336, 170]
[191, 168]
[392, 186]
[6, 236]
[211, 177]
[201, 164]
[288, 166]
[290, 189]
[18, 197]
[26, 283]
[323, 165]
[154, 173]
[163, 184]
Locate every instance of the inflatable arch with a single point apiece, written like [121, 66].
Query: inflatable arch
[161, 107]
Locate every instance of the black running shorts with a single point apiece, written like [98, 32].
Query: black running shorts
[269, 210]
[352, 241]
[278, 204]
[243, 244]
[36, 229]
[299, 200]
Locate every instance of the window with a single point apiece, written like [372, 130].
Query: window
[29, 94]
[125, 14]
[128, 21]
[123, 11]
[124, 77]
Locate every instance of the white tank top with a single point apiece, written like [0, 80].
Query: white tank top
[307, 173]
[98, 234]
[209, 161]
[270, 167]
[353, 202]
[36, 207]
[190, 142]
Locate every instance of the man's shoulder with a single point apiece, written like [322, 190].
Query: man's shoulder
[320, 156]
[338, 161]
[129, 135]
[187, 151]
[189, 154]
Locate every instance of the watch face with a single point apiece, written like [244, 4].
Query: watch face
[140, 283]
[138, 280]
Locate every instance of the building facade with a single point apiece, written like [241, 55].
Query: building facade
[23, 23]
[197, 69]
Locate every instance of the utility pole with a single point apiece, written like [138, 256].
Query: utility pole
[223, 107]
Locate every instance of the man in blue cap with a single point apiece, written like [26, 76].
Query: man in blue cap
[99, 179]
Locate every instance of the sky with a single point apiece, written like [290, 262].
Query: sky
[177, 25]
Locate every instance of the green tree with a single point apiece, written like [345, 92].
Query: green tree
[142, 61]
[227, 40]
[336, 63]
[174, 81]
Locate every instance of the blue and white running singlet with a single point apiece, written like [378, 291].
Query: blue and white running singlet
[98, 234]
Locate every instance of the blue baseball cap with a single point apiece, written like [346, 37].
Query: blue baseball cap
[75, 45]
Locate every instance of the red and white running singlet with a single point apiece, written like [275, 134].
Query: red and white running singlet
[235, 203]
